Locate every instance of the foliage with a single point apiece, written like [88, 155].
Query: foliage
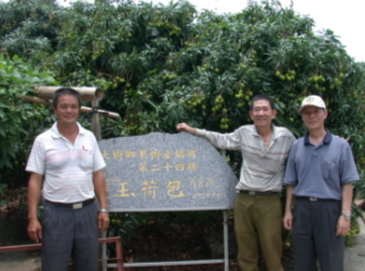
[29, 28]
[126, 224]
[117, 48]
[3, 187]
[19, 120]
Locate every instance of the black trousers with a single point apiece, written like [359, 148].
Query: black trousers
[314, 237]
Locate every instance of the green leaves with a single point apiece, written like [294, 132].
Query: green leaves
[19, 120]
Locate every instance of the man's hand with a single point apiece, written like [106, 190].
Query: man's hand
[288, 220]
[35, 230]
[343, 226]
[184, 127]
[103, 221]
[288, 217]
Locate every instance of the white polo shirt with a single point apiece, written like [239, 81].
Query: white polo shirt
[262, 167]
[67, 168]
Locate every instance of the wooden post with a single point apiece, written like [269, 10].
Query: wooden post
[96, 120]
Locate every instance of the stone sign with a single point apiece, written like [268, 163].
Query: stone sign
[166, 172]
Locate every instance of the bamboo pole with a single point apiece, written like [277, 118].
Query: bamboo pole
[86, 93]
[82, 109]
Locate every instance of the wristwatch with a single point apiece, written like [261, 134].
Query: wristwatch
[103, 211]
[347, 216]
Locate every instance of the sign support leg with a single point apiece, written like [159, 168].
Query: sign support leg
[225, 239]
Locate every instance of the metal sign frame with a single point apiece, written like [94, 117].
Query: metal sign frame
[225, 259]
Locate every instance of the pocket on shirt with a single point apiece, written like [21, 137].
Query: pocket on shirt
[329, 169]
[85, 157]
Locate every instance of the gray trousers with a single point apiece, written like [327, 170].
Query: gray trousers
[314, 236]
[69, 233]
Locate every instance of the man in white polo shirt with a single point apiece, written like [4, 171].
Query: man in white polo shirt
[257, 210]
[65, 167]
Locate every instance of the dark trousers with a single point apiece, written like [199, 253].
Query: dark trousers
[69, 233]
[314, 236]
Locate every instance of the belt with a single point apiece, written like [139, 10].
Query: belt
[75, 205]
[314, 199]
[258, 193]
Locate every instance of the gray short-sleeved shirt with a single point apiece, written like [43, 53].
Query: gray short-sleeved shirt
[320, 171]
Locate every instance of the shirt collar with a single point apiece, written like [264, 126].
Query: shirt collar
[275, 133]
[57, 134]
[326, 140]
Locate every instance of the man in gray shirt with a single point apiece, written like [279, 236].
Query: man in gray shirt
[319, 176]
[257, 211]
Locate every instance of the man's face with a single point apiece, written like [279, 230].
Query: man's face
[313, 117]
[262, 114]
[67, 110]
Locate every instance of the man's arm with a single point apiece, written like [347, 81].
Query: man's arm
[288, 217]
[100, 191]
[344, 221]
[34, 195]
[184, 127]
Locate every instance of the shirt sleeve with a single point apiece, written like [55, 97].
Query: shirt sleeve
[291, 176]
[348, 170]
[99, 162]
[229, 141]
[36, 160]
